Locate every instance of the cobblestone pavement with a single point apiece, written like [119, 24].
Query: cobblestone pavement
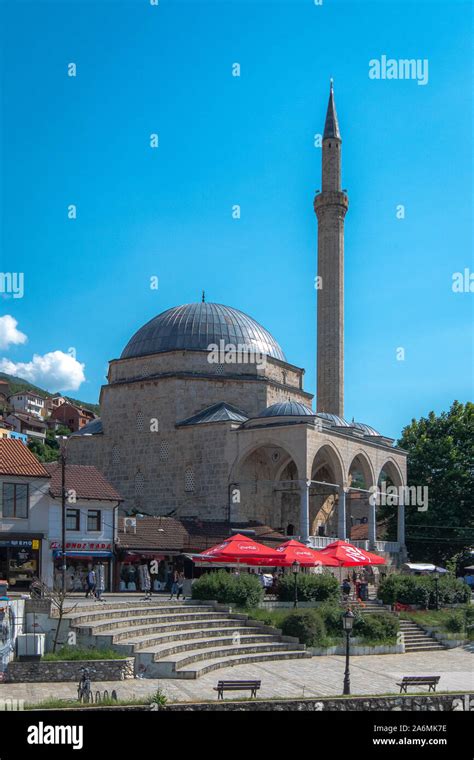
[318, 676]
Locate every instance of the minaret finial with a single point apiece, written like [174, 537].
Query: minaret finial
[203, 297]
[331, 83]
[331, 127]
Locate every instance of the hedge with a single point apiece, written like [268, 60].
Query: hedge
[243, 590]
[421, 590]
[377, 627]
[311, 588]
[307, 625]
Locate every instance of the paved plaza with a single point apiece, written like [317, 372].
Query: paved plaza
[316, 677]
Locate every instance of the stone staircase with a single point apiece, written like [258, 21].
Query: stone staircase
[416, 639]
[181, 639]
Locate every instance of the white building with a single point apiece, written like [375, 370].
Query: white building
[28, 403]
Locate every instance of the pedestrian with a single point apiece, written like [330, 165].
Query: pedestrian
[174, 583]
[179, 584]
[91, 583]
[100, 585]
[145, 580]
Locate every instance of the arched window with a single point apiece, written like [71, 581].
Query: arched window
[164, 451]
[290, 530]
[115, 455]
[140, 422]
[189, 480]
[139, 484]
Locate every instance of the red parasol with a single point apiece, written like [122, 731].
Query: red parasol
[348, 555]
[294, 551]
[239, 548]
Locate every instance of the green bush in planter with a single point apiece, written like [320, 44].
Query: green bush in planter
[311, 588]
[377, 627]
[455, 623]
[306, 625]
[332, 616]
[243, 590]
[421, 590]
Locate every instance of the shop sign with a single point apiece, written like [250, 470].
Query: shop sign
[83, 546]
[20, 542]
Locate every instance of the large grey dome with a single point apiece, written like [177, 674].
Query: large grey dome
[196, 326]
[287, 409]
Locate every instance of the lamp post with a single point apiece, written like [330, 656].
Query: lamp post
[296, 569]
[347, 623]
[436, 580]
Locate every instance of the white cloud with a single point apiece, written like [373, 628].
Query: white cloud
[55, 371]
[9, 335]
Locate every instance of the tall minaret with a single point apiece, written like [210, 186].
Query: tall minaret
[330, 207]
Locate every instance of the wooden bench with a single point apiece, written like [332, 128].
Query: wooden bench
[223, 686]
[430, 681]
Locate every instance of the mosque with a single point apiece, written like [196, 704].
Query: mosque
[192, 427]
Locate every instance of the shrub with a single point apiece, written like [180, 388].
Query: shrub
[306, 625]
[311, 588]
[377, 627]
[332, 616]
[243, 590]
[455, 623]
[421, 590]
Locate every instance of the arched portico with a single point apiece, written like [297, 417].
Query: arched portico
[327, 502]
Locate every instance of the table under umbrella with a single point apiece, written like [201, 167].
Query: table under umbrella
[294, 551]
[348, 555]
[240, 549]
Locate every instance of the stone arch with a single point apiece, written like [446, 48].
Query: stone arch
[259, 473]
[391, 469]
[360, 463]
[327, 466]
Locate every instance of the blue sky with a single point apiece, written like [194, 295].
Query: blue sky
[225, 140]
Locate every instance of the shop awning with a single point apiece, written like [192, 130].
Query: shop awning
[82, 555]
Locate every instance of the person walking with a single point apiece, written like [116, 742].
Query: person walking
[179, 584]
[100, 587]
[174, 583]
[91, 583]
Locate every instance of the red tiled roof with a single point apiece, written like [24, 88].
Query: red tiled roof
[361, 532]
[187, 535]
[88, 482]
[17, 459]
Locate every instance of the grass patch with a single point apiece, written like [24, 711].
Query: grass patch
[53, 703]
[76, 653]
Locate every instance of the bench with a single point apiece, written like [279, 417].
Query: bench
[223, 686]
[430, 681]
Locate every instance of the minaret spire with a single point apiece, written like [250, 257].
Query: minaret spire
[330, 207]
[331, 127]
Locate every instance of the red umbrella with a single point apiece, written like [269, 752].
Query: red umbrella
[348, 555]
[294, 551]
[239, 548]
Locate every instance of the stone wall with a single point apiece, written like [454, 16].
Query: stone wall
[420, 702]
[100, 670]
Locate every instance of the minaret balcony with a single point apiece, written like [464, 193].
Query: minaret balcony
[331, 198]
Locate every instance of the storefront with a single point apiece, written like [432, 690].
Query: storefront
[81, 557]
[160, 566]
[20, 560]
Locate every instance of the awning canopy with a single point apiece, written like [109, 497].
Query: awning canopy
[241, 549]
[294, 551]
[348, 555]
[82, 555]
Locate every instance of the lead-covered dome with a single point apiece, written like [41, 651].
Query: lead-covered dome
[197, 325]
[287, 409]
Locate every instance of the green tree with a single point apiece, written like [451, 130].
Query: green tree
[440, 456]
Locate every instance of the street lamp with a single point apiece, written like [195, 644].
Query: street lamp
[436, 580]
[347, 623]
[296, 569]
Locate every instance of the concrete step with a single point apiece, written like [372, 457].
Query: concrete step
[166, 652]
[194, 655]
[207, 666]
[154, 639]
[112, 636]
[113, 623]
[109, 613]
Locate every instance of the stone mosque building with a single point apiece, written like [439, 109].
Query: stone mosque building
[231, 435]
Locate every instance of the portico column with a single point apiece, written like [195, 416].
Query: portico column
[341, 514]
[304, 509]
[372, 520]
[401, 526]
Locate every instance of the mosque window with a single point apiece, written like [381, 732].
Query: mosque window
[290, 530]
[219, 369]
[164, 451]
[139, 484]
[115, 455]
[189, 480]
[140, 422]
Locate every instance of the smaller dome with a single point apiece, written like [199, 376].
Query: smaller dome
[287, 409]
[334, 419]
[366, 429]
[94, 427]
